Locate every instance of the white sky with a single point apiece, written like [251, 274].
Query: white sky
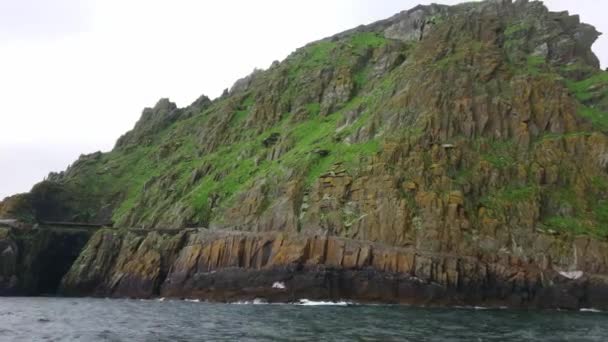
[75, 74]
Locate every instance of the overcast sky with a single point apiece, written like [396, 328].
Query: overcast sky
[75, 74]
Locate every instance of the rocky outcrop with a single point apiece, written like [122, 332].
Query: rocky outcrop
[8, 264]
[17, 207]
[413, 24]
[130, 264]
[232, 266]
[151, 122]
[33, 261]
[456, 154]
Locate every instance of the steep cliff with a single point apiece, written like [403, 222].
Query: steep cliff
[34, 261]
[471, 132]
[233, 266]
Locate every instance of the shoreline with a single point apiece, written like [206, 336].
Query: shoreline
[308, 303]
[231, 266]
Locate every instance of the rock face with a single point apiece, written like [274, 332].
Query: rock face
[8, 264]
[33, 261]
[468, 142]
[232, 266]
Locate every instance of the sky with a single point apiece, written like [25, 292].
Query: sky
[76, 74]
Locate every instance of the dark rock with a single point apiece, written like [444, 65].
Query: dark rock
[321, 152]
[32, 262]
[271, 140]
[152, 120]
[231, 266]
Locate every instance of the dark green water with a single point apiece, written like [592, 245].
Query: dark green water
[57, 319]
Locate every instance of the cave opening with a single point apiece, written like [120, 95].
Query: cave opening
[54, 261]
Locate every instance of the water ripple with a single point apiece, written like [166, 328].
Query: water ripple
[86, 319]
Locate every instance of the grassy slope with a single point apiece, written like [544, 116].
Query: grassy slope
[161, 173]
[236, 165]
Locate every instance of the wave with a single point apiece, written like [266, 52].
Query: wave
[279, 285]
[301, 302]
[481, 307]
[257, 301]
[306, 302]
[590, 310]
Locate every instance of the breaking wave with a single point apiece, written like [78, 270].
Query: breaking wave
[307, 302]
[590, 310]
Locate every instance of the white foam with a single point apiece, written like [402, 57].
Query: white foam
[480, 307]
[590, 310]
[572, 274]
[192, 300]
[257, 301]
[162, 299]
[279, 285]
[301, 302]
[307, 302]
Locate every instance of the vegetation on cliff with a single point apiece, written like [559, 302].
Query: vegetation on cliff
[475, 128]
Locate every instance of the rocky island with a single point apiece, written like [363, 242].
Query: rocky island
[448, 155]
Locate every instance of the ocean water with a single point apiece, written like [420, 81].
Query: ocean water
[84, 319]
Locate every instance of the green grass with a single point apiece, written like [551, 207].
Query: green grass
[436, 19]
[130, 170]
[600, 211]
[142, 169]
[361, 77]
[581, 89]
[239, 117]
[231, 174]
[327, 52]
[558, 136]
[500, 153]
[566, 195]
[113, 173]
[343, 56]
[590, 212]
[535, 65]
[462, 176]
[312, 56]
[568, 225]
[457, 57]
[516, 28]
[241, 114]
[577, 226]
[349, 156]
[509, 196]
[600, 184]
[319, 134]
[597, 117]
[577, 68]
[319, 53]
[594, 87]
[363, 41]
[313, 109]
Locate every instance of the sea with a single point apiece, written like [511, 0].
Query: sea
[88, 319]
